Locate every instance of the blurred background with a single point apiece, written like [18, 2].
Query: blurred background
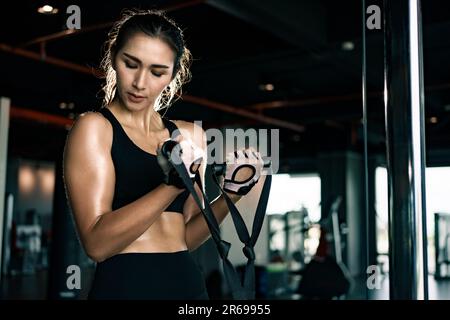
[295, 66]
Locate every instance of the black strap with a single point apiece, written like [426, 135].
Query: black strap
[172, 127]
[112, 118]
[240, 290]
[241, 229]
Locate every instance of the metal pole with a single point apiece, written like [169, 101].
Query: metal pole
[7, 222]
[5, 105]
[364, 110]
[404, 107]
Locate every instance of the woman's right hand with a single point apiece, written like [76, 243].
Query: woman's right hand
[179, 150]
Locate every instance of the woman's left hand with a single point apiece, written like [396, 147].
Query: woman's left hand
[243, 170]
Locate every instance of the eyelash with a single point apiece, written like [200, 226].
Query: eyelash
[130, 66]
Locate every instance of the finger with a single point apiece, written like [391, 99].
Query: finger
[179, 138]
[240, 156]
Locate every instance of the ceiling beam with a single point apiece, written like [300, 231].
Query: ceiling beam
[311, 101]
[244, 113]
[331, 99]
[201, 101]
[40, 117]
[46, 59]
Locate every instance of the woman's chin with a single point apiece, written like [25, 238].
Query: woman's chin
[130, 105]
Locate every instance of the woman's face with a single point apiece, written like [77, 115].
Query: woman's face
[144, 68]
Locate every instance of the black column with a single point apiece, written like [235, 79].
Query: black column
[405, 149]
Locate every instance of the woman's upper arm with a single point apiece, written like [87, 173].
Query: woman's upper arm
[88, 170]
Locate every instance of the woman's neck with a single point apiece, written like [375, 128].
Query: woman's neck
[146, 120]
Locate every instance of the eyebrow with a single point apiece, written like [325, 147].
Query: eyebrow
[139, 61]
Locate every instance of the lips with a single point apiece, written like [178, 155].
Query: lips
[134, 97]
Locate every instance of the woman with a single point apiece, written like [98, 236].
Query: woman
[137, 227]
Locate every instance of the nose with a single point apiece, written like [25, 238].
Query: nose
[139, 80]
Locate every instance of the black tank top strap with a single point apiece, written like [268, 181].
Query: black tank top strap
[110, 116]
[172, 127]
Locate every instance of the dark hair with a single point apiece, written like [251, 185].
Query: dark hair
[155, 24]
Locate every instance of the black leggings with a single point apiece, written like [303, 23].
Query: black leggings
[148, 276]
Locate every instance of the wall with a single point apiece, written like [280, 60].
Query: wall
[342, 174]
[32, 183]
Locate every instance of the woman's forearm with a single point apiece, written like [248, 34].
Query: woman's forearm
[197, 231]
[115, 230]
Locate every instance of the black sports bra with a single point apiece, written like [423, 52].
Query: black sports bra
[137, 171]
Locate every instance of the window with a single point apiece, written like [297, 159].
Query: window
[294, 207]
[437, 200]
[293, 192]
[382, 210]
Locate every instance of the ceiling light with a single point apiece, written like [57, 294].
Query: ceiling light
[348, 45]
[433, 120]
[47, 9]
[266, 87]
[67, 105]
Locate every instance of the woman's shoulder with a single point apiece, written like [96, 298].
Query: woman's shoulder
[91, 120]
[90, 125]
